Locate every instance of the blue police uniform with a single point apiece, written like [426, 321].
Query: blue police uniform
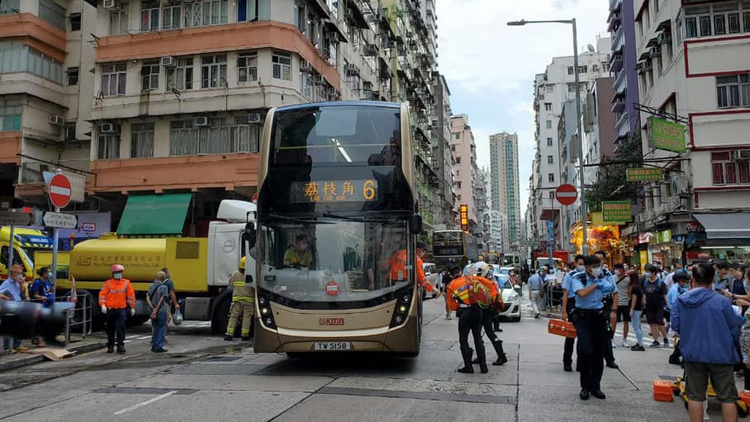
[590, 319]
[569, 342]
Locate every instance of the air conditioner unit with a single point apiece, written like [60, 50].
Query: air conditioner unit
[168, 61]
[254, 118]
[305, 66]
[673, 202]
[319, 79]
[663, 38]
[679, 185]
[111, 4]
[56, 120]
[201, 121]
[743, 154]
[107, 128]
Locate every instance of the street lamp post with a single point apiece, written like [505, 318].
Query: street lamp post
[582, 185]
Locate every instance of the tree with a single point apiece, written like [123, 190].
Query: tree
[612, 183]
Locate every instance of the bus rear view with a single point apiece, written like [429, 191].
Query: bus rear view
[337, 230]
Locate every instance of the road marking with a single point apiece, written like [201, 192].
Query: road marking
[145, 403]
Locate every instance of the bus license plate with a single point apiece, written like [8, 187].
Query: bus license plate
[332, 346]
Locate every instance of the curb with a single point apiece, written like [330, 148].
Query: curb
[32, 359]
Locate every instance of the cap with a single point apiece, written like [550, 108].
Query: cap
[421, 244]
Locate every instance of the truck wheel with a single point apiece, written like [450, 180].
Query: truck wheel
[220, 317]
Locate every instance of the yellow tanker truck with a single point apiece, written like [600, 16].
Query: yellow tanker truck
[200, 267]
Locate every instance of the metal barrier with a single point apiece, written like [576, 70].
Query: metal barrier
[80, 316]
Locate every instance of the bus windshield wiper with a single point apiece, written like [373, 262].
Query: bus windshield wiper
[297, 220]
[357, 219]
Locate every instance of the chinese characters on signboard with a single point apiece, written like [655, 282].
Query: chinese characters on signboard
[616, 211]
[464, 215]
[666, 135]
[334, 191]
[645, 174]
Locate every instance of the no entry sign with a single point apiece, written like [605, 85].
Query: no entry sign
[566, 194]
[59, 190]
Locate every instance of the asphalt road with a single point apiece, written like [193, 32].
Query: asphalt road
[203, 378]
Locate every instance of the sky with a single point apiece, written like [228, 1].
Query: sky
[490, 66]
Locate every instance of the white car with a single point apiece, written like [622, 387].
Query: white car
[431, 272]
[511, 298]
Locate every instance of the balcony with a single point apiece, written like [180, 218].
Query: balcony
[621, 83]
[615, 6]
[614, 21]
[618, 42]
[618, 103]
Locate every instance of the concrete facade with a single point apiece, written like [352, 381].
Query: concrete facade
[504, 186]
[465, 168]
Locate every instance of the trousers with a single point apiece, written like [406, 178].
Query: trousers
[244, 309]
[534, 302]
[569, 342]
[470, 321]
[487, 323]
[116, 327]
[591, 329]
[158, 331]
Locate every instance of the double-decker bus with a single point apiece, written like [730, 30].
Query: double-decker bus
[337, 228]
[453, 248]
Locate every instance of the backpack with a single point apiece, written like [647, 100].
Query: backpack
[479, 294]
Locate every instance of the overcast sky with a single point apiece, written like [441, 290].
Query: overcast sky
[490, 67]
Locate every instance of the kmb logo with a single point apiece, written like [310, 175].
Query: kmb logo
[331, 321]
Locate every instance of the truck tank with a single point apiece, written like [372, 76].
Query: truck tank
[143, 258]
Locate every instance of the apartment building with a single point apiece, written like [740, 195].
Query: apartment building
[693, 72]
[498, 231]
[551, 89]
[465, 167]
[504, 184]
[45, 94]
[622, 62]
[445, 203]
[482, 230]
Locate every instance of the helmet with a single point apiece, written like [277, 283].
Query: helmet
[243, 262]
[479, 268]
[117, 268]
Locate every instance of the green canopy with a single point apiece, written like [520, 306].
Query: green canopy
[154, 214]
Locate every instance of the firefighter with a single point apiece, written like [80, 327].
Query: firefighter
[243, 302]
[398, 263]
[115, 297]
[480, 271]
[467, 295]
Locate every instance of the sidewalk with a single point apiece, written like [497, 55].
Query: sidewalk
[24, 358]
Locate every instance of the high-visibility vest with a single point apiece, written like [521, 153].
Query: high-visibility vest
[468, 291]
[241, 290]
[117, 294]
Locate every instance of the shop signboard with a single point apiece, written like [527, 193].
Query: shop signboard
[616, 211]
[644, 174]
[464, 215]
[644, 260]
[666, 135]
[665, 236]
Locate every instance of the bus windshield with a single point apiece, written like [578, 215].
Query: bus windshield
[330, 260]
[337, 136]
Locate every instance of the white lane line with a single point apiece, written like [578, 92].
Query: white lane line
[145, 403]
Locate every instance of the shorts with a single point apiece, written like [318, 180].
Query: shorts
[655, 315]
[722, 380]
[623, 313]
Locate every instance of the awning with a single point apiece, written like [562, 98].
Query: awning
[725, 226]
[154, 214]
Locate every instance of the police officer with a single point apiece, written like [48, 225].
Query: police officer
[568, 304]
[611, 310]
[466, 296]
[590, 320]
[481, 272]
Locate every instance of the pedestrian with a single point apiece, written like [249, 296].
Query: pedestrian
[610, 309]
[43, 291]
[590, 320]
[170, 286]
[745, 334]
[709, 333]
[480, 272]
[243, 302]
[467, 297]
[721, 282]
[681, 286]
[656, 301]
[535, 285]
[635, 302]
[668, 280]
[622, 281]
[568, 305]
[115, 297]
[158, 301]
[13, 289]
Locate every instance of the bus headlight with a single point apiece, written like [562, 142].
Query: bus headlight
[401, 309]
[266, 315]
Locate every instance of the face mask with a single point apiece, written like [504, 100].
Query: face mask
[303, 247]
[730, 277]
[117, 276]
[647, 274]
[596, 272]
[580, 268]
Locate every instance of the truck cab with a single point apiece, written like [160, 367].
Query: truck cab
[26, 243]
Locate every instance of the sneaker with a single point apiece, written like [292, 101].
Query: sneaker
[537, 316]
[614, 345]
[624, 344]
[160, 350]
[110, 349]
[638, 348]
[121, 350]
[655, 344]
[666, 343]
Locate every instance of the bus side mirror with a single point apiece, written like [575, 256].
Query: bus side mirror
[415, 224]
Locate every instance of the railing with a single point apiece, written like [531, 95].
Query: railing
[78, 316]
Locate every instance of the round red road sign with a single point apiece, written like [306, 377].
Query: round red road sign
[566, 194]
[332, 288]
[59, 190]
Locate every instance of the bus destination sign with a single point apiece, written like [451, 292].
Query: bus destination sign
[334, 191]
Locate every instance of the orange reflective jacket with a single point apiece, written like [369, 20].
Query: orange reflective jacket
[117, 294]
[397, 270]
[465, 290]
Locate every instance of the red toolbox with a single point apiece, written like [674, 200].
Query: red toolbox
[561, 328]
[663, 390]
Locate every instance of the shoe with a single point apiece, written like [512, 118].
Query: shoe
[598, 394]
[613, 365]
[466, 370]
[246, 338]
[655, 344]
[624, 344]
[110, 349]
[483, 368]
[500, 361]
[475, 361]
[666, 343]
[638, 348]
[121, 350]
[537, 316]
[674, 360]
[228, 338]
[614, 346]
[584, 394]
[160, 350]
[568, 368]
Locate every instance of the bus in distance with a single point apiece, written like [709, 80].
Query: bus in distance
[453, 248]
[337, 229]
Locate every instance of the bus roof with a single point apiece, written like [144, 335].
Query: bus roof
[339, 104]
